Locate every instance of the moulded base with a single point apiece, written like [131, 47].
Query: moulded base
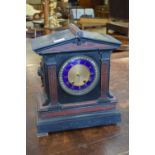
[70, 122]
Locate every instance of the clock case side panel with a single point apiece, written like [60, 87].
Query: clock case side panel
[43, 73]
[46, 63]
[67, 98]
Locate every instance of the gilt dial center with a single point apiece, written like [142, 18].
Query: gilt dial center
[78, 75]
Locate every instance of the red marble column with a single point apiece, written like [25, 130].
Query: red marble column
[104, 78]
[52, 84]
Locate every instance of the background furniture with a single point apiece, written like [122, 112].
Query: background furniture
[119, 9]
[102, 11]
[77, 13]
[119, 27]
[92, 22]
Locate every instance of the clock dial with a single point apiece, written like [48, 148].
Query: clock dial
[79, 75]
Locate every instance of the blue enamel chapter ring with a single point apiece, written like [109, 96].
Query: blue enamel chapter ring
[79, 75]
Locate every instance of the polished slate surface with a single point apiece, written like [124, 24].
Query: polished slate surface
[104, 140]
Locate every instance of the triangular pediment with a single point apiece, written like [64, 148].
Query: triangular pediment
[73, 39]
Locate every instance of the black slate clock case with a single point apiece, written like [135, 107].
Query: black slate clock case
[59, 110]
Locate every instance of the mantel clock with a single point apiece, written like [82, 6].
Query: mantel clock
[74, 71]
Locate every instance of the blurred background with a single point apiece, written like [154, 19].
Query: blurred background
[104, 16]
